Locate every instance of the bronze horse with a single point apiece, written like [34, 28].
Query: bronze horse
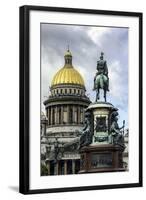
[100, 82]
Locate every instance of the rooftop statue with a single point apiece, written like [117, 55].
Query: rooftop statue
[101, 80]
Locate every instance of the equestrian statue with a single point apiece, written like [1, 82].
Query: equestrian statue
[101, 79]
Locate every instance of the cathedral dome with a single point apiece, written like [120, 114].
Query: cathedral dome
[67, 74]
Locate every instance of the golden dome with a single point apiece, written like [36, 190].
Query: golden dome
[67, 74]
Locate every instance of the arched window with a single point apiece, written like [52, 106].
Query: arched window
[78, 113]
[53, 116]
[59, 116]
[49, 115]
[70, 115]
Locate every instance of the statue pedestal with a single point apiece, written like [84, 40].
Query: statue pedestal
[103, 158]
[103, 154]
[100, 122]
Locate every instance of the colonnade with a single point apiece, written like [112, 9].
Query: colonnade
[65, 114]
[60, 167]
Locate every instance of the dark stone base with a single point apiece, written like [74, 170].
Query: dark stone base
[101, 158]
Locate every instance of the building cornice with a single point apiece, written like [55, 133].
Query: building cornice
[68, 99]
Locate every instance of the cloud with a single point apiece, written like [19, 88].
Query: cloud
[116, 80]
[97, 33]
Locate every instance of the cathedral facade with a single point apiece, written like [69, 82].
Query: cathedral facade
[61, 127]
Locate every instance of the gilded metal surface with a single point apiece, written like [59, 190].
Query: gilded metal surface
[69, 75]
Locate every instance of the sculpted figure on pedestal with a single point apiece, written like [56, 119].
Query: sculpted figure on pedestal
[86, 137]
[116, 135]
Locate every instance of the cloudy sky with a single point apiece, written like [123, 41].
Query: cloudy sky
[86, 43]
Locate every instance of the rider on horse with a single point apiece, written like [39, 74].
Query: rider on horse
[102, 71]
